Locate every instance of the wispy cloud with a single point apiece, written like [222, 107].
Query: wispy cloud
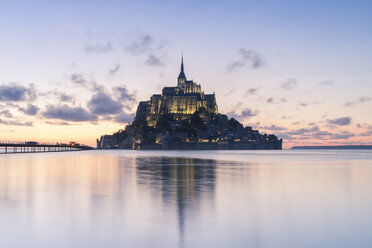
[252, 91]
[274, 128]
[123, 95]
[229, 92]
[61, 96]
[99, 48]
[245, 113]
[360, 100]
[15, 123]
[6, 113]
[327, 83]
[80, 80]
[303, 131]
[154, 60]
[142, 43]
[114, 70]
[150, 51]
[247, 58]
[342, 121]
[289, 84]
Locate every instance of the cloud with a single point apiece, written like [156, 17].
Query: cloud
[327, 83]
[124, 117]
[99, 48]
[122, 94]
[142, 44]
[67, 113]
[145, 46]
[246, 113]
[303, 131]
[60, 123]
[343, 135]
[273, 100]
[312, 133]
[6, 113]
[16, 92]
[360, 100]
[230, 92]
[289, 84]
[79, 79]
[153, 60]
[321, 134]
[368, 133]
[246, 58]
[252, 91]
[274, 128]
[114, 70]
[343, 121]
[15, 123]
[29, 110]
[62, 96]
[102, 104]
[325, 135]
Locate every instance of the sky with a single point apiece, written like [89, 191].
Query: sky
[75, 70]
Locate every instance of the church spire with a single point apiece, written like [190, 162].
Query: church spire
[182, 62]
[182, 73]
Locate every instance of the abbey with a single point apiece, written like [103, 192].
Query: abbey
[184, 118]
[181, 101]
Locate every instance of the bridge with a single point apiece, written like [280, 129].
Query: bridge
[33, 146]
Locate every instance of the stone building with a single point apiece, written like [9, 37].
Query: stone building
[107, 142]
[181, 101]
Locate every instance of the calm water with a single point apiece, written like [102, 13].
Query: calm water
[186, 199]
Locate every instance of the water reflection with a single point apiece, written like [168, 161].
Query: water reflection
[183, 182]
[117, 199]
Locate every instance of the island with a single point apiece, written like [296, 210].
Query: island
[185, 118]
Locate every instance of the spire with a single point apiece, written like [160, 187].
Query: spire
[182, 73]
[182, 62]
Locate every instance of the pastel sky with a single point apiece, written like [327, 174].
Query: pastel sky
[73, 70]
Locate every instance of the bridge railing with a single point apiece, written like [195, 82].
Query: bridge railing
[7, 146]
[8, 142]
[34, 143]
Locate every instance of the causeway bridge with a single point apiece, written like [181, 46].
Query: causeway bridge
[33, 146]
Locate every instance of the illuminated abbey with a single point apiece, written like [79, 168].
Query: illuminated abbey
[184, 118]
[182, 101]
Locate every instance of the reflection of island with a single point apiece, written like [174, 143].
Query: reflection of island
[184, 181]
[184, 117]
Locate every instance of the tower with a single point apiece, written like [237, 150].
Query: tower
[181, 81]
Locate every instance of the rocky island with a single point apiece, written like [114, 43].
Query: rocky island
[185, 118]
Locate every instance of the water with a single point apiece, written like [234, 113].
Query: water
[186, 199]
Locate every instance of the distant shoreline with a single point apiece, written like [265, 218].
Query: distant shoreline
[346, 147]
